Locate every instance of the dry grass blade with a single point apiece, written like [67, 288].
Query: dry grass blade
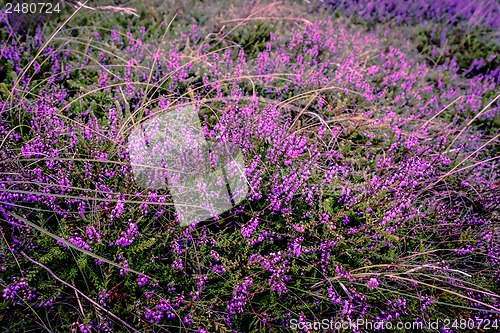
[44, 46]
[473, 119]
[115, 9]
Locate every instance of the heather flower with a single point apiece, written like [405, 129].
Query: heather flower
[142, 280]
[120, 207]
[240, 295]
[467, 249]
[276, 264]
[296, 246]
[215, 255]
[78, 242]
[324, 217]
[372, 283]
[124, 263]
[338, 126]
[247, 230]
[127, 237]
[177, 264]
[152, 316]
[218, 269]
[92, 234]
[84, 328]
[19, 291]
[103, 296]
[333, 296]
[341, 272]
[425, 302]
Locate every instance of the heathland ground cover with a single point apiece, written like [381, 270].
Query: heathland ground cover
[369, 131]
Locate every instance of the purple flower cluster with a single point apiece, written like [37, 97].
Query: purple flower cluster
[19, 291]
[474, 12]
[240, 298]
[277, 265]
[164, 309]
[127, 237]
[79, 242]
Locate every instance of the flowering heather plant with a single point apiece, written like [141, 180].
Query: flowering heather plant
[462, 31]
[372, 176]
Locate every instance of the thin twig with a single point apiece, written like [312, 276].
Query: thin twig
[121, 10]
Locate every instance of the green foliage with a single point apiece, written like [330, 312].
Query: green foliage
[152, 249]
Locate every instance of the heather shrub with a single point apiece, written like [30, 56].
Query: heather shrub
[372, 175]
[443, 31]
